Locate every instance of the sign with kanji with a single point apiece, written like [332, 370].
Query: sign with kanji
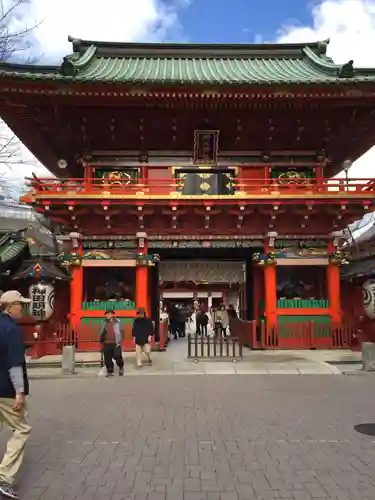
[42, 300]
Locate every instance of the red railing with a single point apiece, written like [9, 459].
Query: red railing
[84, 337]
[246, 331]
[307, 335]
[153, 187]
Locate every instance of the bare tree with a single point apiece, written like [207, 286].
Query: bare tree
[15, 46]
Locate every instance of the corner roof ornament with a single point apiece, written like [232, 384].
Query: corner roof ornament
[322, 46]
[74, 41]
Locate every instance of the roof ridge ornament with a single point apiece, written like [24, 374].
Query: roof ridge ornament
[346, 70]
[67, 68]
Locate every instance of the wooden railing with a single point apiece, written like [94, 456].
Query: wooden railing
[334, 188]
[200, 347]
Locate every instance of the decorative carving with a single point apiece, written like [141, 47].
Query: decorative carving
[191, 243]
[319, 245]
[95, 255]
[117, 177]
[68, 259]
[339, 258]
[108, 244]
[267, 259]
[295, 253]
[295, 175]
[148, 260]
[292, 177]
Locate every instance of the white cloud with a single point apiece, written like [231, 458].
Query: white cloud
[350, 25]
[104, 20]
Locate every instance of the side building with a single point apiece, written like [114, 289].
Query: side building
[28, 263]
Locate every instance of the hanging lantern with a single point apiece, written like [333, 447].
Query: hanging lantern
[42, 300]
[369, 298]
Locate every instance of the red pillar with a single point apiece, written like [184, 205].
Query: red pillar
[76, 289]
[270, 294]
[88, 176]
[333, 289]
[334, 300]
[76, 286]
[141, 278]
[141, 293]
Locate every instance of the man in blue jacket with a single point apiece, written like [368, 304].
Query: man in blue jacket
[14, 387]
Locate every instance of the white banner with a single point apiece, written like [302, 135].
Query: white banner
[42, 300]
[369, 298]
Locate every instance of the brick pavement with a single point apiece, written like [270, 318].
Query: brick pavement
[201, 438]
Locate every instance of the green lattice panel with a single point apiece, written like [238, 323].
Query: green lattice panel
[295, 304]
[98, 305]
[302, 304]
[321, 325]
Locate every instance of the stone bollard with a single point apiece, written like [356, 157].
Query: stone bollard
[68, 360]
[368, 356]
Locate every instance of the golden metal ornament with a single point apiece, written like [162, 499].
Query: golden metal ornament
[292, 177]
[205, 186]
[117, 178]
[180, 179]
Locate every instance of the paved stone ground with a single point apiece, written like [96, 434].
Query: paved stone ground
[201, 438]
[174, 362]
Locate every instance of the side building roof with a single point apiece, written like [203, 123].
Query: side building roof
[194, 64]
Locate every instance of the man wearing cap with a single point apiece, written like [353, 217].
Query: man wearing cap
[14, 387]
[111, 339]
[143, 329]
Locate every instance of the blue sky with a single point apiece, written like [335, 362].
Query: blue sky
[241, 21]
[350, 24]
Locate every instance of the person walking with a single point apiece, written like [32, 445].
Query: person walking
[111, 338]
[14, 387]
[221, 321]
[143, 329]
[202, 322]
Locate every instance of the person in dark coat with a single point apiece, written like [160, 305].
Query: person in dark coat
[232, 313]
[202, 321]
[111, 338]
[14, 387]
[174, 314]
[143, 330]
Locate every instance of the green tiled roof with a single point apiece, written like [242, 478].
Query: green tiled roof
[11, 249]
[192, 64]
